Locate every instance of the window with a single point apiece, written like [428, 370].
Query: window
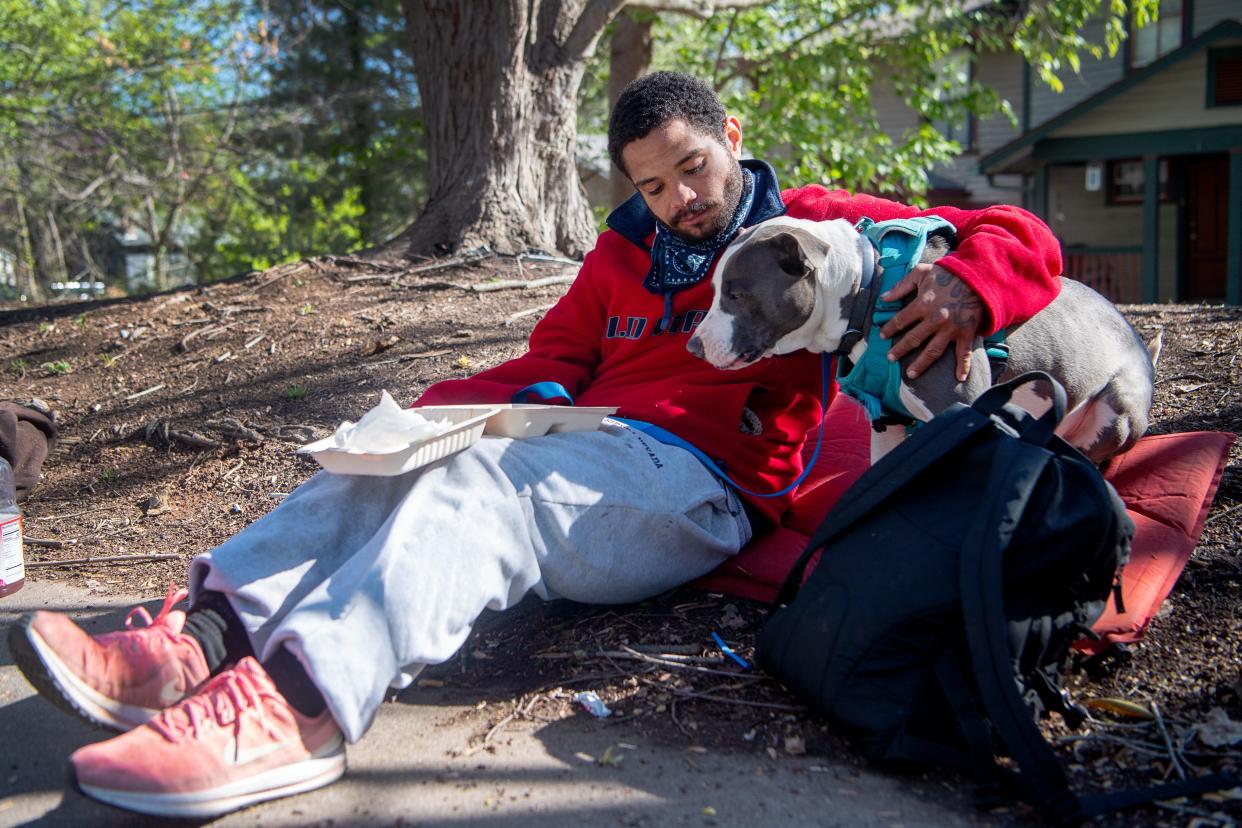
[1158, 37]
[1224, 77]
[1125, 181]
[953, 77]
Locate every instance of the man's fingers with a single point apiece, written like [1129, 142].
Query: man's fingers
[964, 350]
[908, 283]
[903, 319]
[910, 340]
[931, 352]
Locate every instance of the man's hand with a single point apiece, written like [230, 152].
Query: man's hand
[945, 311]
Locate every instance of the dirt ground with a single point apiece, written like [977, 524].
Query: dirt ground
[179, 415]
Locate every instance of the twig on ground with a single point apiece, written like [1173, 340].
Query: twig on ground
[298, 268]
[679, 666]
[543, 257]
[349, 261]
[70, 514]
[143, 393]
[635, 656]
[46, 542]
[690, 694]
[1220, 515]
[522, 314]
[104, 559]
[1168, 743]
[520, 284]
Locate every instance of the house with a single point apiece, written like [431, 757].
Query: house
[1136, 166]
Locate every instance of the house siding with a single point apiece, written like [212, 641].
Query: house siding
[1172, 99]
[1082, 219]
[1095, 75]
[1210, 12]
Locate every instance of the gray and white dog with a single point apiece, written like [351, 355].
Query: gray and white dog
[788, 284]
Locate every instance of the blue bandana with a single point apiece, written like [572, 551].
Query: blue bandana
[677, 264]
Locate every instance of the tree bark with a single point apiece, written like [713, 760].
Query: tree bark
[629, 59]
[498, 82]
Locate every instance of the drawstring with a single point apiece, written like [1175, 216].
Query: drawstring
[668, 313]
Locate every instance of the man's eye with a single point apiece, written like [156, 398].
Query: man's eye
[697, 169]
[655, 191]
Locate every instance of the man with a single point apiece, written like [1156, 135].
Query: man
[299, 623]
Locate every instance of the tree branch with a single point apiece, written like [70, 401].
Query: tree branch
[701, 9]
[589, 27]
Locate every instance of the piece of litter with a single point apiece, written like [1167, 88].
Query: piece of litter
[593, 704]
[386, 428]
[795, 745]
[402, 681]
[724, 648]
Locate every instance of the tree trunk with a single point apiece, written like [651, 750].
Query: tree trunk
[498, 82]
[628, 60]
[359, 131]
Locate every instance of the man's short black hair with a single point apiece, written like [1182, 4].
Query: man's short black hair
[653, 100]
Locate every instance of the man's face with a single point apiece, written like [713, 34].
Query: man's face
[690, 181]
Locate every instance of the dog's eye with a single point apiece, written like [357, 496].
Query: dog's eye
[734, 295]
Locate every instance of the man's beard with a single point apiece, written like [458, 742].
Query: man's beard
[730, 198]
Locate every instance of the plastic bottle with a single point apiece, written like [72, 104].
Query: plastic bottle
[12, 564]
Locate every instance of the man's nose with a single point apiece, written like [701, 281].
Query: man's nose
[685, 196]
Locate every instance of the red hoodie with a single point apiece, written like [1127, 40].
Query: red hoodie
[602, 341]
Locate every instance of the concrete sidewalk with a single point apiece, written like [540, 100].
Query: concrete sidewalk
[410, 769]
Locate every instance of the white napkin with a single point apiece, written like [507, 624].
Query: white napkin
[386, 428]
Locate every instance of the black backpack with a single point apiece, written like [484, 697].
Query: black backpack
[954, 578]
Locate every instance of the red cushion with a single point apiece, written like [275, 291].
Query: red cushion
[1167, 482]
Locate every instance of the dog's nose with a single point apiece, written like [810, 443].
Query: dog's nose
[695, 346]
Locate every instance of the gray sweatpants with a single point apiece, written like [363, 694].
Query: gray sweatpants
[364, 577]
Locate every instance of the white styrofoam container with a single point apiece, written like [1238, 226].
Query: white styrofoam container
[532, 420]
[468, 423]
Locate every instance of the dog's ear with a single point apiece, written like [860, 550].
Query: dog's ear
[791, 258]
[799, 253]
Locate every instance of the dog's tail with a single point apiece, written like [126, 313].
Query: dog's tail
[1155, 347]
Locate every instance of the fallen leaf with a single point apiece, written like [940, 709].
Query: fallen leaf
[610, 758]
[1219, 730]
[1121, 707]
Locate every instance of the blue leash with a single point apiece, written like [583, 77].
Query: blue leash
[554, 390]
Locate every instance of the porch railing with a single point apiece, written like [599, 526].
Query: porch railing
[1116, 272]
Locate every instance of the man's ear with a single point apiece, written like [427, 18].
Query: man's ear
[733, 136]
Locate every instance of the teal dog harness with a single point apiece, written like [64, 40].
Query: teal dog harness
[874, 381]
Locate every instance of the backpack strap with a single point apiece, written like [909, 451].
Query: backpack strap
[895, 470]
[1017, 470]
[937, 438]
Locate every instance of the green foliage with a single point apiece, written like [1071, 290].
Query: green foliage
[228, 135]
[60, 366]
[804, 76]
[295, 392]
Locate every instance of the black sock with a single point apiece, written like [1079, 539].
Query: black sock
[294, 683]
[214, 624]
[217, 629]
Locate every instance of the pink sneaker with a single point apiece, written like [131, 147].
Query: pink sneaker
[233, 743]
[119, 679]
